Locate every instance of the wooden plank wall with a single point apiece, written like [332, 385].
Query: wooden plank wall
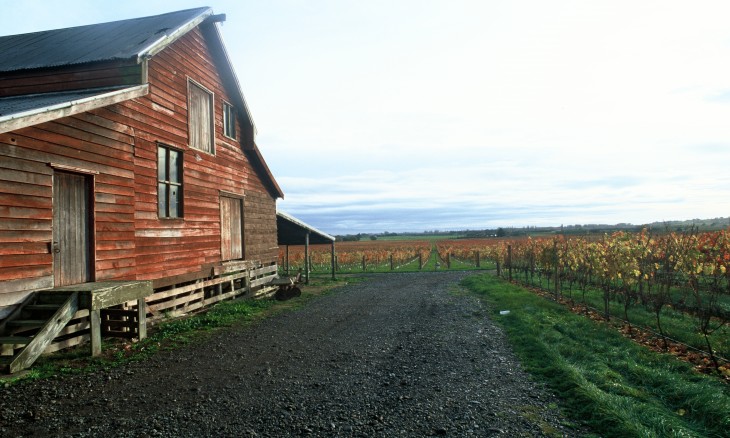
[83, 141]
[120, 143]
[184, 245]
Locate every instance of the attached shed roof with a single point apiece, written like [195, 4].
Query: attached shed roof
[35, 102]
[25, 110]
[118, 40]
[292, 231]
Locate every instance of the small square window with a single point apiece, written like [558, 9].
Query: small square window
[229, 120]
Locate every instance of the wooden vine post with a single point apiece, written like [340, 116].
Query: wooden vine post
[557, 271]
[306, 258]
[391, 262]
[478, 261]
[509, 261]
[334, 260]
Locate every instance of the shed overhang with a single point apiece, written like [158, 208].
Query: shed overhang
[292, 231]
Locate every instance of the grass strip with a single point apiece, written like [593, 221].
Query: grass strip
[606, 382]
[675, 324]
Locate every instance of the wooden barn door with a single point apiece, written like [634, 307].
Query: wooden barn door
[231, 228]
[72, 246]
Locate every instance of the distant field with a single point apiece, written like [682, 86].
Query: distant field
[382, 255]
[427, 237]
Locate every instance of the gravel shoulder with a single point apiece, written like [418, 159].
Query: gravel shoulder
[396, 355]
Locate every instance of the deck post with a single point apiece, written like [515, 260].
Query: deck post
[95, 322]
[141, 318]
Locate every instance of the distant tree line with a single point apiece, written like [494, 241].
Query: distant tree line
[714, 224]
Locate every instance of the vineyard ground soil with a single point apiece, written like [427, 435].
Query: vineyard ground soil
[396, 355]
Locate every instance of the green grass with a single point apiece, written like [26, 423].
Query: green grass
[675, 324]
[606, 382]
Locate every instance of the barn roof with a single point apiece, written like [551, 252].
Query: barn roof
[118, 40]
[292, 231]
[132, 40]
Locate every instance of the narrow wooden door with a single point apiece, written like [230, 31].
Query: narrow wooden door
[231, 228]
[72, 229]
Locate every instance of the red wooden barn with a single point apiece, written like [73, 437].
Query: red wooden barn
[128, 170]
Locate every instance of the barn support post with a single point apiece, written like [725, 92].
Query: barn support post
[334, 261]
[286, 259]
[306, 258]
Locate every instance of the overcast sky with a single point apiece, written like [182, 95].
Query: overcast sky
[412, 115]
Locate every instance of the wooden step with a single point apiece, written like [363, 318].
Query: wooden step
[48, 330]
[15, 340]
[44, 307]
[27, 323]
[52, 298]
[5, 363]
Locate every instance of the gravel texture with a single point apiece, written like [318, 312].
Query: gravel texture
[396, 355]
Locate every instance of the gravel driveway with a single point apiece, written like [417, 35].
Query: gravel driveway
[396, 355]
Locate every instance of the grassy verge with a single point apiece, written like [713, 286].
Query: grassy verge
[675, 324]
[171, 334]
[606, 382]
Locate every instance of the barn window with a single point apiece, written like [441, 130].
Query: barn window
[200, 115]
[169, 182]
[229, 120]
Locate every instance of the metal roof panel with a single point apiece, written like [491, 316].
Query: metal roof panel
[115, 40]
[21, 104]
